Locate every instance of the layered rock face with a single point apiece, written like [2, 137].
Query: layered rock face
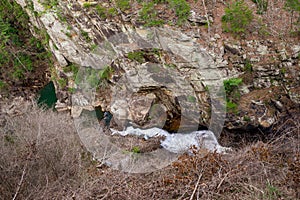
[165, 76]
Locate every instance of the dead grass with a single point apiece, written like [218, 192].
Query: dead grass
[40, 156]
[43, 148]
[261, 170]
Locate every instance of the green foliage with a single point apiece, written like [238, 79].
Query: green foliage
[237, 17]
[170, 65]
[2, 84]
[248, 66]
[137, 56]
[123, 5]
[232, 93]
[262, 6]
[231, 84]
[25, 61]
[93, 80]
[38, 44]
[149, 15]
[246, 118]
[9, 139]
[94, 77]
[182, 10]
[44, 37]
[62, 82]
[292, 5]
[101, 11]
[283, 70]
[272, 192]
[105, 73]
[112, 11]
[231, 106]
[105, 12]
[9, 25]
[263, 28]
[60, 14]
[68, 34]
[86, 36]
[93, 47]
[71, 68]
[71, 90]
[87, 4]
[19, 51]
[135, 149]
[49, 4]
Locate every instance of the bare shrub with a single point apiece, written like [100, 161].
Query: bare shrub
[40, 155]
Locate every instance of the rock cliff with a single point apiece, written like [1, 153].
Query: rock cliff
[171, 76]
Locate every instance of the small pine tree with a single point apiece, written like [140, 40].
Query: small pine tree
[237, 17]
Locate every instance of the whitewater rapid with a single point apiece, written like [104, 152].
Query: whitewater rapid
[178, 142]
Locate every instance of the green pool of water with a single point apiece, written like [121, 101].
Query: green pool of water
[47, 96]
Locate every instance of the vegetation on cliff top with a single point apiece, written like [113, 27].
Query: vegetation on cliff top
[22, 56]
